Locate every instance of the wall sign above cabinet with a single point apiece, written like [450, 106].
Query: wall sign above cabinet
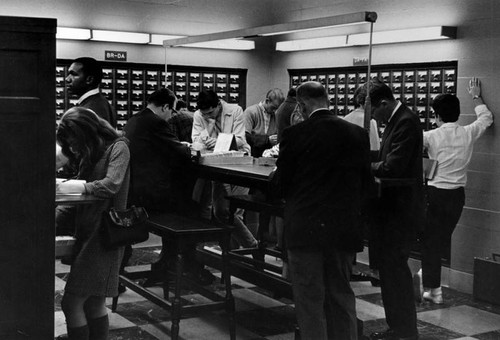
[359, 61]
[115, 55]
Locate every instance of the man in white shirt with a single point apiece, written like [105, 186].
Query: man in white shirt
[451, 145]
[357, 116]
[215, 116]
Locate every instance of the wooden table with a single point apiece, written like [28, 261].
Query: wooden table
[62, 199]
[251, 176]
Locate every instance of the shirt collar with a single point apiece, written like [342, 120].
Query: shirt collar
[324, 108]
[395, 109]
[263, 108]
[88, 94]
[449, 124]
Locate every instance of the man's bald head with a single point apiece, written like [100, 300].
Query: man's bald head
[311, 96]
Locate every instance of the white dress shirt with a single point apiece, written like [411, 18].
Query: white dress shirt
[451, 145]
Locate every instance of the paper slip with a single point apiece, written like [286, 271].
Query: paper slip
[67, 191]
[225, 142]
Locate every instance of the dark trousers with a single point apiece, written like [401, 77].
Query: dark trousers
[444, 207]
[391, 241]
[325, 304]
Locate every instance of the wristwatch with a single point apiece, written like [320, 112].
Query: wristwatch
[476, 97]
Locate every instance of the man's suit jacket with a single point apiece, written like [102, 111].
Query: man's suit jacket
[323, 170]
[400, 156]
[154, 155]
[101, 106]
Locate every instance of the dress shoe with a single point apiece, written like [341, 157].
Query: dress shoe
[418, 289]
[435, 295]
[390, 335]
[360, 277]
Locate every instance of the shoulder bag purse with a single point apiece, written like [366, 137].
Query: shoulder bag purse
[121, 228]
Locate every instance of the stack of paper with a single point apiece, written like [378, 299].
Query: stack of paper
[225, 157]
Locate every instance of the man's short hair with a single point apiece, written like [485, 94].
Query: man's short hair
[181, 104]
[207, 99]
[161, 97]
[91, 67]
[292, 92]
[378, 92]
[275, 94]
[359, 96]
[447, 106]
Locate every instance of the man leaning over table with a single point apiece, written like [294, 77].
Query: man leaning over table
[215, 116]
[260, 122]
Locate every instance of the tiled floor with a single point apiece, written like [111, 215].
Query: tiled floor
[259, 316]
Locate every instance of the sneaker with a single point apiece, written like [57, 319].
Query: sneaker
[435, 295]
[418, 289]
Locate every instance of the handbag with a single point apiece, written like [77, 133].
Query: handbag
[121, 228]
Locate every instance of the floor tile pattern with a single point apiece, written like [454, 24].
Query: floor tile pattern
[260, 316]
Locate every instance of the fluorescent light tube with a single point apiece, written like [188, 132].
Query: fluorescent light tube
[405, 35]
[73, 33]
[312, 44]
[123, 37]
[228, 44]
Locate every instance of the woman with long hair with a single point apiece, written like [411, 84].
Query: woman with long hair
[101, 158]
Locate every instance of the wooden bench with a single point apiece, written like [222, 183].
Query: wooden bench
[183, 232]
[258, 204]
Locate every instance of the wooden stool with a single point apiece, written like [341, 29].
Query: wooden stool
[183, 232]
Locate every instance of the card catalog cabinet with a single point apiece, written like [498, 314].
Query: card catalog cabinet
[128, 85]
[416, 85]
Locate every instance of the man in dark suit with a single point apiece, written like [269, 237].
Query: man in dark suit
[161, 179]
[155, 154]
[322, 172]
[398, 212]
[83, 80]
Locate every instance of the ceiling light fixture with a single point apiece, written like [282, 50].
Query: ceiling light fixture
[121, 37]
[312, 44]
[363, 39]
[404, 35]
[73, 33]
[227, 44]
[295, 26]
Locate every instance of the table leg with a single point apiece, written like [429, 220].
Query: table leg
[176, 304]
[226, 274]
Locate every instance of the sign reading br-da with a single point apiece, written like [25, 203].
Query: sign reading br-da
[115, 55]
